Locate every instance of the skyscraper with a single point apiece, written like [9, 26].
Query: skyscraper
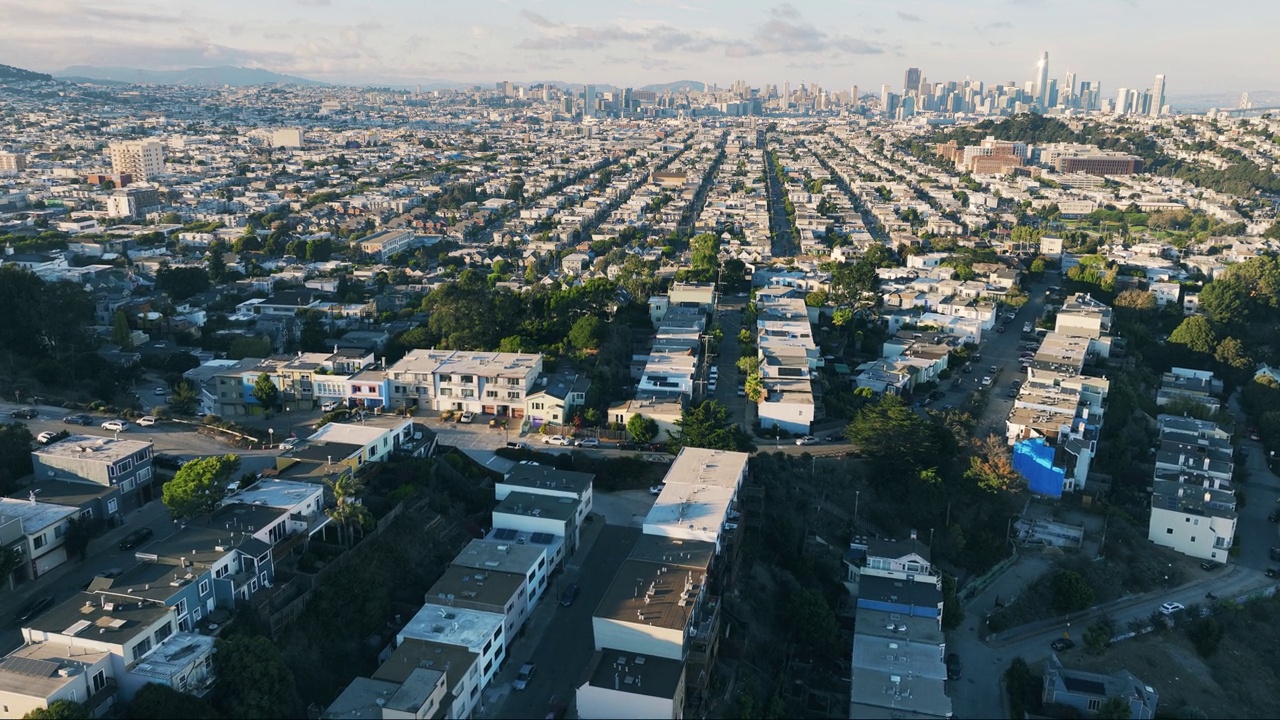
[143, 159]
[1068, 90]
[589, 102]
[1157, 96]
[1122, 101]
[1042, 80]
[912, 81]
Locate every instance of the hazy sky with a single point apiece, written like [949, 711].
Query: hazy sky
[1226, 46]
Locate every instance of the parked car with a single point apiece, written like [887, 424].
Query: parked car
[148, 420]
[742, 392]
[34, 608]
[993, 369]
[1210, 565]
[26, 413]
[807, 440]
[161, 391]
[136, 538]
[656, 489]
[1170, 608]
[329, 406]
[166, 460]
[115, 425]
[524, 676]
[46, 437]
[570, 594]
[558, 440]
[953, 666]
[589, 443]
[77, 420]
[986, 381]
[1062, 644]
[467, 417]
[1000, 329]
[1211, 596]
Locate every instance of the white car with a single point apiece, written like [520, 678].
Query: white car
[807, 440]
[46, 437]
[161, 391]
[468, 416]
[115, 425]
[329, 406]
[986, 381]
[1170, 608]
[148, 420]
[559, 440]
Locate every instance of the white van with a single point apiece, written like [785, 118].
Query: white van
[329, 406]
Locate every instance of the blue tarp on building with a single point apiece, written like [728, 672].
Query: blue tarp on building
[1034, 460]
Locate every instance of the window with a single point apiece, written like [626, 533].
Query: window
[195, 613]
[513, 396]
[253, 585]
[141, 649]
[1094, 704]
[491, 393]
[468, 379]
[204, 587]
[163, 632]
[112, 506]
[446, 378]
[99, 681]
[446, 392]
[513, 381]
[180, 607]
[1168, 531]
[1193, 538]
[59, 531]
[39, 541]
[144, 474]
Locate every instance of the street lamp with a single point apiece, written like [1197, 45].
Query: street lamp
[857, 499]
[271, 432]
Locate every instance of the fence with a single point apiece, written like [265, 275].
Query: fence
[981, 583]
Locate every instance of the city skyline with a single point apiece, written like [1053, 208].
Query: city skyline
[638, 43]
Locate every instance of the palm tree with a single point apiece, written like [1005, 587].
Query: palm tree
[349, 512]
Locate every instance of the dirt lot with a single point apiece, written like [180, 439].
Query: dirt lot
[1167, 662]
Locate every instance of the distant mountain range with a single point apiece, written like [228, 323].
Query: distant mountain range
[8, 72]
[677, 86]
[208, 76]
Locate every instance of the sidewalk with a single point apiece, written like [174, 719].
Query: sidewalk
[499, 688]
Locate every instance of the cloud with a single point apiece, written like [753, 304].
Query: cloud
[313, 3]
[786, 33]
[997, 25]
[669, 3]
[659, 37]
[909, 17]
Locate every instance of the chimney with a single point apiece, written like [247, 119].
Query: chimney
[913, 534]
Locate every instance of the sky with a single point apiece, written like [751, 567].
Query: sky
[1225, 46]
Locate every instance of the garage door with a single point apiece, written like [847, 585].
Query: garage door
[50, 560]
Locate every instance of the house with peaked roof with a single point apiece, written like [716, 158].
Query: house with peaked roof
[1087, 691]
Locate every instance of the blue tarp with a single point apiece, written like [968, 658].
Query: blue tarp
[1034, 460]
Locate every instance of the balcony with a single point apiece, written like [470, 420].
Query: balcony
[703, 633]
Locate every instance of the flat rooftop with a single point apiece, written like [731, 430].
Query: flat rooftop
[86, 614]
[500, 556]
[544, 477]
[461, 584]
[276, 493]
[700, 466]
[488, 364]
[631, 672]
[413, 653]
[35, 516]
[676, 552]
[550, 507]
[358, 433]
[32, 670]
[649, 593]
[92, 448]
[363, 698]
[690, 511]
[174, 655]
[453, 626]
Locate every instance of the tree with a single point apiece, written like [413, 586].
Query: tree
[61, 710]
[1196, 334]
[893, 433]
[1206, 634]
[121, 335]
[1071, 592]
[1037, 266]
[80, 530]
[180, 283]
[1097, 637]
[312, 334]
[15, 455]
[349, 511]
[217, 264]
[183, 398]
[199, 485]
[1231, 352]
[161, 702]
[1226, 300]
[1115, 708]
[253, 679]
[817, 298]
[749, 365]
[10, 560]
[812, 622]
[587, 333]
[707, 425]
[1134, 299]
[992, 465]
[266, 392]
[754, 387]
[642, 429]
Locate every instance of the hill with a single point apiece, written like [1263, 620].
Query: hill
[8, 72]
[677, 86]
[208, 76]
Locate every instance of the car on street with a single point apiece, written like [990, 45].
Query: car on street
[589, 443]
[115, 425]
[524, 676]
[993, 369]
[77, 420]
[1210, 565]
[742, 392]
[807, 440]
[657, 489]
[161, 391]
[559, 440]
[986, 381]
[1000, 329]
[467, 417]
[34, 608]
[166, 460]
[46, 437]
[329, 406]
[148, 420]
[1062, 643]
[1170, 608]
[570, 594]
[953, 666]
[25, 413]
[136, 538]
[1211, 596]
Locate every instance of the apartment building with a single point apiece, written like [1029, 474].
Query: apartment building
[36, 531]
[420, 695]
[38, 675]
[143, 159]
[788, 356]
[12, 163]
[481, 382]
[460, 666]
[1193, 501]
[386, 243]
[107, 462]
[476, 631]
[1199, 386]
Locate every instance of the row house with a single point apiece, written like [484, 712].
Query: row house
[481, 382]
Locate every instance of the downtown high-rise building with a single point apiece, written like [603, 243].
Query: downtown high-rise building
[1042, 80]
[1157, 96]
[589, 101]
[912, 81]
[143, 159]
